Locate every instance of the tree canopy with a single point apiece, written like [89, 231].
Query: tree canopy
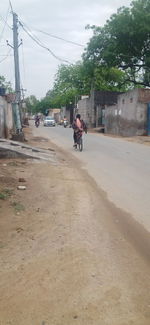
[117, 58]
[5, 84]
[124, 43]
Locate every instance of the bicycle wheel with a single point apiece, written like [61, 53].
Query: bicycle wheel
[80, 144]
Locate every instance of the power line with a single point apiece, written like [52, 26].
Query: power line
[35, 39]
[11, 5]
[7, 55]
[5, 22]
[54, 36]
[23, 63]
[60, 38]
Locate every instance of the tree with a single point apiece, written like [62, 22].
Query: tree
[124, 43]
[5, 84]
[31, 103]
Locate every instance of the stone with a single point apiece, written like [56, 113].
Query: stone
[21, 187]
[21, 179]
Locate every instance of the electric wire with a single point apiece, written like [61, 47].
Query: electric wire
[23, 65]
[11, 6]
[35, 39]
[7, 55]
[54, 36]
[5, 22]
[1, 17]
[60, 38]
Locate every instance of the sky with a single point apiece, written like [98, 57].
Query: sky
[61, 18]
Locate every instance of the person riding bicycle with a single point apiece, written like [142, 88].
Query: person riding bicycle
[79, 127]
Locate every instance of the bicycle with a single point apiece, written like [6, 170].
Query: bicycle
[79, 142]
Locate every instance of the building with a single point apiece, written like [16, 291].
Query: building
[55, 113]
[92, 108]
[129, 116]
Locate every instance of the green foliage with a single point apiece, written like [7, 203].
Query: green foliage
[124, 42]
[117, 58]
[31, 103]
[5, 84]
[18, 206]
[5, 193]
[3, 196]
[71, 79]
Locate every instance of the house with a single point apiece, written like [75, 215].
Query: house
[92, 108]
[129, 116]
[55, 113]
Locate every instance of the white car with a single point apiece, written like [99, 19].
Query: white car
[49, 121]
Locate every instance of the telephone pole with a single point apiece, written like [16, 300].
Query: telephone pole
[16, 105]
[16, 58]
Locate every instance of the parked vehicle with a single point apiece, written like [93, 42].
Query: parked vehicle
[49, 121]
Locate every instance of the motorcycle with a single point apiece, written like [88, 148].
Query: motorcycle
[65, 123]
[37, 123]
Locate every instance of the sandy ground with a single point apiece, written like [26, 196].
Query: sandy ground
[137, 138]
[68, 256]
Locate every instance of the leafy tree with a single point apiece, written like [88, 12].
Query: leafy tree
[117, 58]
[43, 105]
[5, 84]
[31, 103]
[124, 43]
[75, 80]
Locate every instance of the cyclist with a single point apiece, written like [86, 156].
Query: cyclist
[78, 126]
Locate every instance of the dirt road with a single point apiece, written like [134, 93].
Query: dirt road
[67, 255]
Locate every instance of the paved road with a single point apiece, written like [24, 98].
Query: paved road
[120, 168]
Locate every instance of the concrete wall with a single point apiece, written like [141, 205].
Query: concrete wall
[66, 113]
[91, 109]
[6, 118]
[129, 116]
[86, 110]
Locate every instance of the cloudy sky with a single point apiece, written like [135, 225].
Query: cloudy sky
[61, 18]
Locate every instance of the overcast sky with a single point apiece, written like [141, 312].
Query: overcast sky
[62, 18]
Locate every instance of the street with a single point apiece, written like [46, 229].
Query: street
[120, 168]
[69, 255]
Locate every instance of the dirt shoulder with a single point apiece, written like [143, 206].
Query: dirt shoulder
[64, 260]
[136, 139]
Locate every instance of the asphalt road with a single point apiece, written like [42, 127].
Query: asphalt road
[119, 167]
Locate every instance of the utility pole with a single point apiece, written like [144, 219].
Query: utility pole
[17, 103]
[16, 58]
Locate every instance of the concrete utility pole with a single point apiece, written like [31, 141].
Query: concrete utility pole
[16, 57]
[18, 134]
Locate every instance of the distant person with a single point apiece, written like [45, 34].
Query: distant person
[37, 120]
[79, 127]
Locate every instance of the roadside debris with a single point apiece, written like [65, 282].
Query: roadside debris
[20, 187]
[21, 179]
